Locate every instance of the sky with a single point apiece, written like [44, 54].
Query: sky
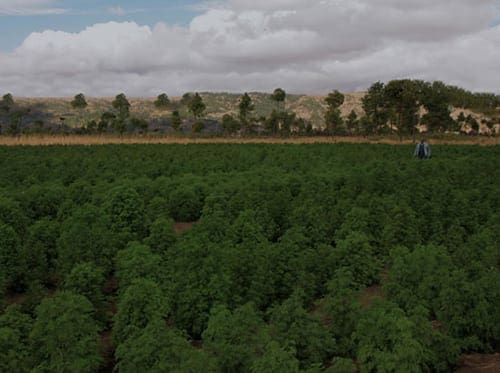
[57, 48]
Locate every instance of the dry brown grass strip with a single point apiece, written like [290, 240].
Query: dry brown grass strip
[102, 140]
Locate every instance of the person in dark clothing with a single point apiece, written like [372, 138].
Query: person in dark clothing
[422, 150]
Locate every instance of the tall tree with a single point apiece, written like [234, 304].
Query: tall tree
[333, 119]
[436, 100]
[375, 107]
[162, 101]
[7, 102]
[121, 104]
[186, 99]
[245, 107]
[279, 96]
[79, 101]
[404, 97]
[352, 123]
[196, 106]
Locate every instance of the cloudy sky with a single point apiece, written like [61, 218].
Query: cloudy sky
[143, 48]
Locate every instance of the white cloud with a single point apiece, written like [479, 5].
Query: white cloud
[244, 45]
[29, 7]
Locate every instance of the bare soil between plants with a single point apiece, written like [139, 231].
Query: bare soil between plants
[479, 363]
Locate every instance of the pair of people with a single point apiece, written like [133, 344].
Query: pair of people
[422, 150]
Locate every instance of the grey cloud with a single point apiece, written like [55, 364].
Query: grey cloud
[303, 46]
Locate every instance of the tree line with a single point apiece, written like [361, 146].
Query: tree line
[398, 107]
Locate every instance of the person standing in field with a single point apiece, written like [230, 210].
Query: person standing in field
[422, 150]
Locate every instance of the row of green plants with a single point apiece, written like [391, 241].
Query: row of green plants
[391, 108]
[276, 272]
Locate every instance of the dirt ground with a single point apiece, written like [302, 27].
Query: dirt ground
[479, 363]
[181, 227]
[101, 140]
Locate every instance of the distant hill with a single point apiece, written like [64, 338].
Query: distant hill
[309, 107]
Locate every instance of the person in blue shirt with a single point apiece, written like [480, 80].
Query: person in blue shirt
[422, 150]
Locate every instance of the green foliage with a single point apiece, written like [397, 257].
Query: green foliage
[333, 119]
[79, 101]
[185, 204]
[126, 210]
[162, 235]
[186, 99]
[7, 100]
[235, 338]
[387, 341]
[404, 96]
[14, 340]
[356, 253]
[86, 279]
[175, 120]
[353, 124]
[162, 101]
[402, 229]
[279, 96]
[11, 213]
[245, 108]
[342, 365]
[139, 304]
[342, 310]
[121, 105]
[65, 336]
[468, 308]
[281, 122]
[436, 100]
[292, 326]
[375, 106]
[275, 270]
[275, 359]
[137, 261]
[39, 251]
[196, 106]
[158, 348]
[230, 124]
[418, 277]
[139, 124]
[10, 258]
[86, 237]
[40, 201]
[334, 99]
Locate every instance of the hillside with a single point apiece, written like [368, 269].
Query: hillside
[309, 107]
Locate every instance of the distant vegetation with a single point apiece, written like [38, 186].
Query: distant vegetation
[399, 107]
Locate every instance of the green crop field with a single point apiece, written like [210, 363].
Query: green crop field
[247, 257]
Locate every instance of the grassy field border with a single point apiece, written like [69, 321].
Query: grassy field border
[47, 140]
